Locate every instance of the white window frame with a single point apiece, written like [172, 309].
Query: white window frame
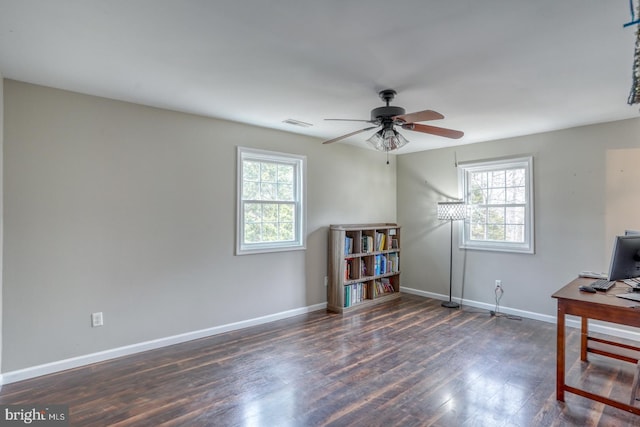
[527, 246]
[299, 164]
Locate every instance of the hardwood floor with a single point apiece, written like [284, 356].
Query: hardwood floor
[408, 362]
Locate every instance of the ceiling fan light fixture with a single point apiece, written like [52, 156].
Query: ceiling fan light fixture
[387, 139]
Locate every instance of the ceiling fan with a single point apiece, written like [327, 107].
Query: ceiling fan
[387, 138]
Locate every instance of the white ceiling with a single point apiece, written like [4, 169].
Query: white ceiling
[494, 68]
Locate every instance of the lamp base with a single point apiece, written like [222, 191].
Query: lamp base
[450, 304]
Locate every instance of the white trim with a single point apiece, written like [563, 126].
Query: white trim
[571, 321]
[528, 246]
[74, 362]
[299, 162]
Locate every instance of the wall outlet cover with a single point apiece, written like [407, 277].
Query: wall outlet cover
[96, 319]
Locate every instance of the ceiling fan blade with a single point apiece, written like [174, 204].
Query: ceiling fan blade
[447, 133]
[349, 120]
[349, 134]
[419, 116]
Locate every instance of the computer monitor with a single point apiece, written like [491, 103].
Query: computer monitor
[625, 259]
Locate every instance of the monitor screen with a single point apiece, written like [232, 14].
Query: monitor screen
[625, 259]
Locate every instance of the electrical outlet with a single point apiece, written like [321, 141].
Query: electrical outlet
[498, 283]
[97, 319]
[326, 281]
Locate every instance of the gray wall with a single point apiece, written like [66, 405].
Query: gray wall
[587, 190]
[130, 210]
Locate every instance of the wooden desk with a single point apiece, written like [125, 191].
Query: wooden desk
[599, 306]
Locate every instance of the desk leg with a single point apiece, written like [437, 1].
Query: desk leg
[560, 356]
[584, 339]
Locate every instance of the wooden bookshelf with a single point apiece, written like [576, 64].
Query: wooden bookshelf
[364, 265]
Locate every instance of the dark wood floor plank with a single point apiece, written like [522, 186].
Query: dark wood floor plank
[409, 362]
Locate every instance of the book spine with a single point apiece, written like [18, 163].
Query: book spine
[347, 296]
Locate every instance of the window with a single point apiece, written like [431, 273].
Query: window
[499, 195]
[270, 201]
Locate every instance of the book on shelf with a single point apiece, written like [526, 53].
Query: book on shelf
[380, 265]
[393, 263]
[383, 286]
[386, 285]
[367, 244]
[355, 293]
[347, 296]
[348, 269]
[380, 241]
[348, 245]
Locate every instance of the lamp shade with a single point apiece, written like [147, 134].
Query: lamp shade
[387, 139]
[452, 210]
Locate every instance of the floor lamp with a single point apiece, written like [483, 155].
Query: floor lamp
[451, 211]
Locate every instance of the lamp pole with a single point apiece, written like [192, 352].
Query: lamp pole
[451, 211]
[450, 303]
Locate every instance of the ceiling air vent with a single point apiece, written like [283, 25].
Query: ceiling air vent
[295, 122]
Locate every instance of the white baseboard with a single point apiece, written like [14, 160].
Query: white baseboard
[571, 321]
[74, 362]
